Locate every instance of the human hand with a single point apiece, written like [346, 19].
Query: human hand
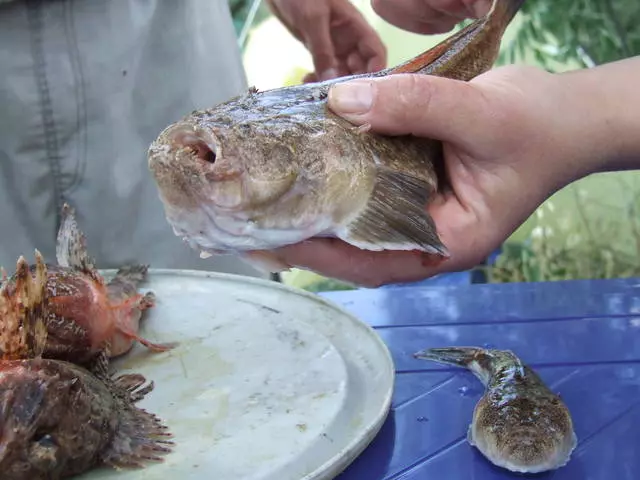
[429, 16]
[512, 137]
[336, 34]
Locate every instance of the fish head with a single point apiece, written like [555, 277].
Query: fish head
[218, 182]
[32, 403]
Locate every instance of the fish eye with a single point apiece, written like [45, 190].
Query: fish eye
[44, 440]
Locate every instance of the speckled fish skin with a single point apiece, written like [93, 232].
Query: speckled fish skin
[84, 311]
[58, 419]
[519, 424]
[272, 168]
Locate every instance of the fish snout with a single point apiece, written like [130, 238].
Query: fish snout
[188, 166]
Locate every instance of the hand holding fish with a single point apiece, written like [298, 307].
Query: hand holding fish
[512, 137]
[336, 34]
[429, 16]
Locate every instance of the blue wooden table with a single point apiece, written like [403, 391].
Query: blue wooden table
[583, 337]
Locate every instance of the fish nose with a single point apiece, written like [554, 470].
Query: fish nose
[201, 142]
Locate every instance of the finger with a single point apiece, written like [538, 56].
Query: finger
[458, 9]
[373, 52]
[356, 63]
[310, 78]
[422, 105]
[334, 258]
[317, 33]
[478, 8]
[413, 16]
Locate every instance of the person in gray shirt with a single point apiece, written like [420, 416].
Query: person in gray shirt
[86, 86]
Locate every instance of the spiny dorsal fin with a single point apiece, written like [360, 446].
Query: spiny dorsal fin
[395, 217]
[71, 249]
[23, 310]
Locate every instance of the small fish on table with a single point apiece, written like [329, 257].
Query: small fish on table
[518, 424]
[62, 412]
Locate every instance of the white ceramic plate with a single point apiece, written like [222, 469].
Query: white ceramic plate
[268, 382]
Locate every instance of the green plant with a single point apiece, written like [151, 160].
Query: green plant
[581, 32]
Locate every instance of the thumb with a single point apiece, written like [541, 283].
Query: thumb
[421, 105]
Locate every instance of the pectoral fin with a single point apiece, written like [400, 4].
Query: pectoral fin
[395, 217]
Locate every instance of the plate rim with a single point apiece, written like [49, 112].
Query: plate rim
[338, 463]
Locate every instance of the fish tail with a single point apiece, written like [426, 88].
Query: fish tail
[459, 356]
[477, 44]
[503, 11]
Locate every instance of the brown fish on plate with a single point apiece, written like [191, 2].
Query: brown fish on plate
[518, 424]
[272, 168]
[58, 419]
[84, 310]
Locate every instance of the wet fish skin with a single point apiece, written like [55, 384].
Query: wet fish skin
[518, 424]
[58, 420]
[272, 168]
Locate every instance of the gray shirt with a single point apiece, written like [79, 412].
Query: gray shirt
[85, 87]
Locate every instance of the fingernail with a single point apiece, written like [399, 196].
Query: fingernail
[355, 97]
[328, 74]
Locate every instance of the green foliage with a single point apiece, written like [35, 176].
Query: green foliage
[582, 32]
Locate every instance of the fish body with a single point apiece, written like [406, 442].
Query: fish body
[59, 419]
[273, 168]
[518, 424]
[85, 311]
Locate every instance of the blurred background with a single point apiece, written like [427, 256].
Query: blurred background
[590, 229]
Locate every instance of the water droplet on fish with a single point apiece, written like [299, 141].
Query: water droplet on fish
[463, 391]
[422, 419]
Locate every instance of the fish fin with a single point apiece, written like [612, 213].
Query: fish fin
[141, 437]
[71, 249]
[264, 261]
[421, 62]
[23, 310]
[128, 278]
[469, 52]
[147, 301]
[395, 217]
[127, 332]
[99, 365]
[470, 439]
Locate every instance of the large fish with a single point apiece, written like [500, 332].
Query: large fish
[58, 419]
[272, 168]
[84, 310]
[518, 424]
